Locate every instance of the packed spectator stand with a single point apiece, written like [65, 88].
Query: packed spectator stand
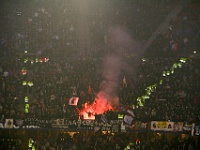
[40, 67]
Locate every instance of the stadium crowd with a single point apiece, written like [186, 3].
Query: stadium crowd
[121, 141]
[55, 84]
[96, 141]
[61, 77]
[57, 75]
[182, 35]
[104, 14]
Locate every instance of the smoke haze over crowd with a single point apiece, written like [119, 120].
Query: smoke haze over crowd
[113, 65]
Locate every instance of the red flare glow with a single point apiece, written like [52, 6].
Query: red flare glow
[99, 106]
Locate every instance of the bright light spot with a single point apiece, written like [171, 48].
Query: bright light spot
[99, 106]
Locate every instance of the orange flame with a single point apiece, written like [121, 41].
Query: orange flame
[101, 105]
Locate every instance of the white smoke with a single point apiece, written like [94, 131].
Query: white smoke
[121, 43]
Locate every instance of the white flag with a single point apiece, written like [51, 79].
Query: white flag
[73, 101]
[128, 119]
[9, 123]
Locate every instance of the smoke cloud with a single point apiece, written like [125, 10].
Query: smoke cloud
[113, 64]
[120, 43]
